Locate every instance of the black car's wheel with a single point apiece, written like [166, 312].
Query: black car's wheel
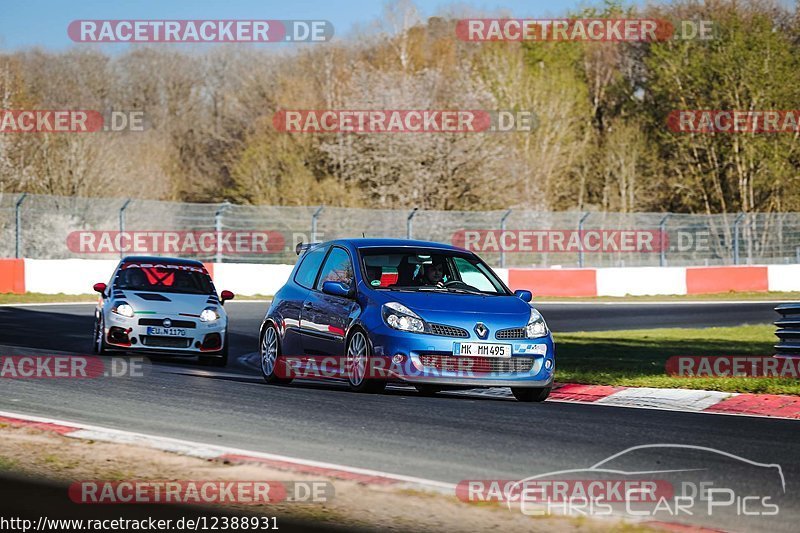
[427, 390]
[218, 361]
[99, 340]
[270, 352]
[358, 365]
[530, 394]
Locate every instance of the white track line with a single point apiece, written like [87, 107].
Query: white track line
[207, 451]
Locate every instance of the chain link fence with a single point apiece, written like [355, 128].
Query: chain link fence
[51, 227]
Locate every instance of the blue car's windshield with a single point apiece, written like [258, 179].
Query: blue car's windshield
[429, 270]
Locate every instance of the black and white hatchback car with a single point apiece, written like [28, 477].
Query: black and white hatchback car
[162, 305]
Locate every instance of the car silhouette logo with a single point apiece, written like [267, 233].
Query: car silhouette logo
[481, 330]
[167, 322]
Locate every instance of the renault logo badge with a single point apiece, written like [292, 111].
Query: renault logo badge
[481, 330]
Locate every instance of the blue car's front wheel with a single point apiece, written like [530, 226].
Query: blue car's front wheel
[359, 365]
[530, 394]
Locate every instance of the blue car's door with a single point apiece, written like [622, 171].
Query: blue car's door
[296, 293]
[325, 317]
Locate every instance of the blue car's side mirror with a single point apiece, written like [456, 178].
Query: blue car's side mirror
[523, 295]
[336, 288]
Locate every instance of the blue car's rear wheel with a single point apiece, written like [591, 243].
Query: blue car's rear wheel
[530, 394]
[269, 353]
[428, 390]
[359, 365]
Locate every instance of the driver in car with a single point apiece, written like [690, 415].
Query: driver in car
[432, 274]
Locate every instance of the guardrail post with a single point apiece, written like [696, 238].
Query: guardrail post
[787, 330]
[736, 238]
[502, 232]
[580, 236]
[662, 228]
[218, 229]
[17, 229]
[122, 222]
[410, 222]
[314, 218]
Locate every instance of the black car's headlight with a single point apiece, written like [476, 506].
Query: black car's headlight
[536, 325]
[123, 309]
[400, 317]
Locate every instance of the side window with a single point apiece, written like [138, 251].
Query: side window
[307, 272]
[338, 267]
[472, 276]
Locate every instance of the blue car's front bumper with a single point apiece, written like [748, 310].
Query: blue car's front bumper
[429, 359]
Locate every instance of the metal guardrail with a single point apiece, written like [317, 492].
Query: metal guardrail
[788, 331]
[37, 227]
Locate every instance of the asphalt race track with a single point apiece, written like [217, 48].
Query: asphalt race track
[445, 438]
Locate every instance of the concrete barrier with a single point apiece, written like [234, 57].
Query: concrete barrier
[76, 276]
[12, 276]
[70, 276]
[641, 281]
[250, 279]
[708, 280]
[554, 281]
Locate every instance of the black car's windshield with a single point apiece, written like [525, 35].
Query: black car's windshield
[173, 278]
[429, 270]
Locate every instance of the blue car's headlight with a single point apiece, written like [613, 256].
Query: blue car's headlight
[400, 317]
[123, 309]
[536, 325]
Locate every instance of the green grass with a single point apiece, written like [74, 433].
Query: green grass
[637, 358]
[37, 297]
[719, 296]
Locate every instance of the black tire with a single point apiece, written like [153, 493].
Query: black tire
[530, 394]
[428, 390]
[99, 338]
[358, 350]
[267, 370]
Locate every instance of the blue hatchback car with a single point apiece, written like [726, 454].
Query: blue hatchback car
[373, 311]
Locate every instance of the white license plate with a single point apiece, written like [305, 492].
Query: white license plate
[166, 332]
[481, 349]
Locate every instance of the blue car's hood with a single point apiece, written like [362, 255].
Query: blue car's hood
[453, 303]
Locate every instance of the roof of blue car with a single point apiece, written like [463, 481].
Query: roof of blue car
[372, 242]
